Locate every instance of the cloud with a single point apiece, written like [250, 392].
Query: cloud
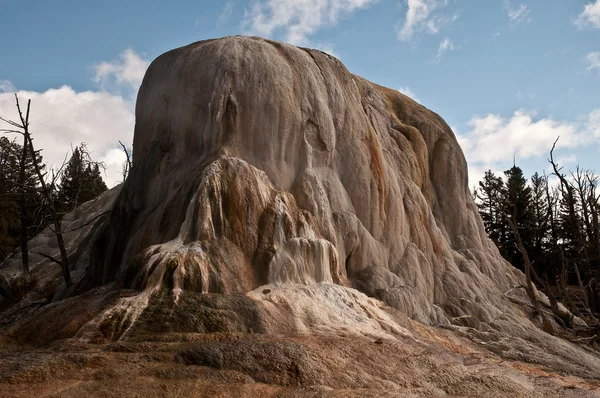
[589, 17]
[445, 46]
[125, 73]
[517, 13]
[225, 14]
[592, 126]
[493, 141]
[6, 87]
[496, 139]
[295, 21]
[423, 16]
[408, 92]
[566, 159]
[593, 60]
[62, 117]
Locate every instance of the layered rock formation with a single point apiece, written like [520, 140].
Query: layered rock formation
[258, 162]
[274, 192]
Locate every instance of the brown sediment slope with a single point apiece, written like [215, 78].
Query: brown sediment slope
[300, 215]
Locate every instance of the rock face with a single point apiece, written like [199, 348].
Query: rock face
[257, 162]
[289, 218]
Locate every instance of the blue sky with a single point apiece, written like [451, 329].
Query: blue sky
[508, 76]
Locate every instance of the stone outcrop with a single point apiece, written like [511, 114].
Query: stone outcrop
[258, 162]
[278, 202]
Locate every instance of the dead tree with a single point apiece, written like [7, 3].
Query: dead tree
[567, 191]
[56, 219]
[590, 222]
[127, 165]
[23, 203]
[529, 288]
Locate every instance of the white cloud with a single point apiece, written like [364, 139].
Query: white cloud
[517, 13]
[566, 159]
[295, 20]
[494, 141]
[589, 17]
[225, 14]
[445, 46]
[6, 87]
[497, 139]
[593, 60]
[62, 117]
[126, 73]
[476, 170]
[592, 126]
[408, 92]
[423, 16]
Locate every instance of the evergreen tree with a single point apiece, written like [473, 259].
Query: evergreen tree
[10, 194]
[490, 198]
[517, 200]
[540, 226]
[9, 215]
[81, 180]
[570, 223]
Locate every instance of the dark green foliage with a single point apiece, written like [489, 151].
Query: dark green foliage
[10, 194]
[543, 249]
[559, 227]
[81, 180]
[517, 203]
[489, 195]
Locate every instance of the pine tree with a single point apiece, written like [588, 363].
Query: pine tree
[9, 215]
[490, 198]
[517, 200]
[570, 222]
[540, 227]
[81, 180]
[10, 194]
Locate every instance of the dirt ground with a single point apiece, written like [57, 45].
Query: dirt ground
[255, 365]
[220, 346]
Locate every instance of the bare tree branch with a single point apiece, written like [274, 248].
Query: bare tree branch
[51, 258]
[90, 221]
[56, 218]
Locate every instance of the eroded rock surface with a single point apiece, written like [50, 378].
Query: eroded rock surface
[259, 162]
[298, 215]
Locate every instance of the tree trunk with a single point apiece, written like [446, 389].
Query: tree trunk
[528, 282]
[46, 192]
[63, 253]
[23, 205]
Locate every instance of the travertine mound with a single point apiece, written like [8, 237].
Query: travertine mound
[258, 162]
[282, 222]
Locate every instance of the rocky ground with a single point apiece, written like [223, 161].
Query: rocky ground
[287, 229]
[212, 346]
